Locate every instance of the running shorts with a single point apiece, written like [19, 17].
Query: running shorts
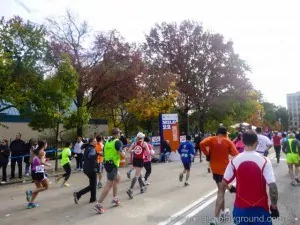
[187, 166]
[218, 178]
[112, 171]
[253, 215]
[38, 176]
[292, 158]
[138, 163]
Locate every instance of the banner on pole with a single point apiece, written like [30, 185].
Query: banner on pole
[169, 129]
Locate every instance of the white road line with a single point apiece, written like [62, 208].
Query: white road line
[207, 200]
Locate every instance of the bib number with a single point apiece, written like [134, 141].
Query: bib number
[40, 169]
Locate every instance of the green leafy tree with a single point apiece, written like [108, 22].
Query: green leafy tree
[22, 49]
[51, 102]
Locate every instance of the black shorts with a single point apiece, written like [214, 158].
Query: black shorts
[138, 163]
[38, 176]
[112, 171]
[218, 178]
[187, 166]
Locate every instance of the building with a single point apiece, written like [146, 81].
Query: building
[293, 105]
[12, 123]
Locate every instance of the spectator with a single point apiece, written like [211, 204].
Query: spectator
[165, 151]
[32, 143]
[79, 153]
[4, 155]
[17, 148]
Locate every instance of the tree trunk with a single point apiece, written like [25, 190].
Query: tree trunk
[56, 146]
[79, 97]
[201, 122]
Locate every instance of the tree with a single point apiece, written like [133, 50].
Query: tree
[51, 102]
[206, 65]
[101, 65]
[22, 50]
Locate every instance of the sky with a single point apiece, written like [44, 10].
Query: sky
[265, 33]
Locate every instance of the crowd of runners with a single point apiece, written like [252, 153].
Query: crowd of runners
[241, 159]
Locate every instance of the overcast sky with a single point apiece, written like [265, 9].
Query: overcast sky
[265, 33]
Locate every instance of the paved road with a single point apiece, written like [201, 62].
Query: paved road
[164, 197]
[288, 203]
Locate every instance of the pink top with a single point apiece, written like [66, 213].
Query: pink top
[147, 156]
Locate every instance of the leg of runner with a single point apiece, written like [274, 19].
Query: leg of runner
[277, 150]
[147, 166]
[115, 200]
[100, 172]
[67, 168]
[291, 172]
[134, 180]
[297, 173]
[187, 176]
[99, 206]
[40, 186]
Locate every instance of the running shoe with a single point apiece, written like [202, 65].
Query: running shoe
[186, 184]
[297, 180]
[130, 193]
[180, 177]
[65, 185]
[75, 197]
[293, 183]
[225, 214]
[99, 208]
[115, 202]
[143, 189]
[99, 185]
[31, 205]
[3, 182]
[28, 195]
[147, 182]
[214, 221]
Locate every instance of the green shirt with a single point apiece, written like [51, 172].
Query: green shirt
[112, 150]
[66, 153]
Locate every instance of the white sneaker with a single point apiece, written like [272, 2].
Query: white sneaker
[3, 182]
[27, 175]
[225, 213]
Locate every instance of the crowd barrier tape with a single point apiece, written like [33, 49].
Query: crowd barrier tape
[72, 150]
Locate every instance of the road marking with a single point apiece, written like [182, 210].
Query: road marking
[203, 202]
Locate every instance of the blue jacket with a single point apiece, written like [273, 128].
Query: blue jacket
[186, 151]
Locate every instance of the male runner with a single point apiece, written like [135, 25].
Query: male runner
[187, 152]
[112, 157]
[251, 203]
[219, 148]
[264, 143]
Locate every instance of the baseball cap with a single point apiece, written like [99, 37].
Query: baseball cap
[115, 130]
[222, 130]
[140, 135]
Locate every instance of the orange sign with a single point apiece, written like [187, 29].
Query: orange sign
[169, 129]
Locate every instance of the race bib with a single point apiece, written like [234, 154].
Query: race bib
[183, 155]
[40, 169]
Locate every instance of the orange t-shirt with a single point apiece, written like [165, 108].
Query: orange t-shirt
[219, 149]
[99, 149]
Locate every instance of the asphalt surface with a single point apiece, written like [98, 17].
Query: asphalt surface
[288, 203]
[165, 197]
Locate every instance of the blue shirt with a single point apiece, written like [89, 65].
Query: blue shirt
[186, 150]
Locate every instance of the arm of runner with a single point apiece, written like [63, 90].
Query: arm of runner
[270, 179]
[43, 158]
[269, 143]
[146, 147]
[204, 145]
[119, 147]
[152, 152]
[130, 148]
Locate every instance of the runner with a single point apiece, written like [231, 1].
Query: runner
[219, 148]
[238, 142]
[90, 166]
[38, 174]
[197, 140]
[264, 143]
[251, 203]
[65, 163]
[291, 149]
[112, 156]
[277, 145]
[99, 150]
[139, 148]
[131, 162]
[147, 160]
[187, 153]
